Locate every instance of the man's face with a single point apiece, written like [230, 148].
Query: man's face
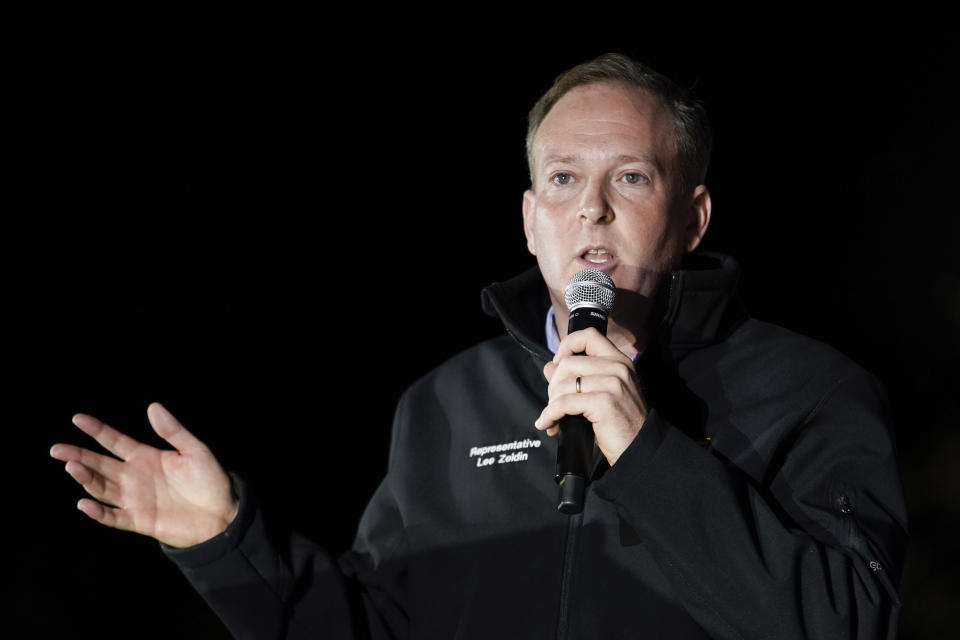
[604, 192]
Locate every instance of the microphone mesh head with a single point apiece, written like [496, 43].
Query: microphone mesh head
[592, 288]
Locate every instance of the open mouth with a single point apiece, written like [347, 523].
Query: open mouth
[597, 256]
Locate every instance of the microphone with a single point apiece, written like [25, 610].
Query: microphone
[590, 296]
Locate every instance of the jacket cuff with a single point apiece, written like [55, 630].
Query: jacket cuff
[220, 545]
[635, 459]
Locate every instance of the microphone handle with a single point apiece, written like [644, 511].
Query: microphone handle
[576, 440]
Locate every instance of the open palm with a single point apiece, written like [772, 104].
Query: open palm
[181, 497]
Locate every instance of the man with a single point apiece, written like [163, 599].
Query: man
[744, 484]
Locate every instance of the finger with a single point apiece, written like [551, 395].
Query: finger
[593, 406]
[563, 405]
[550, 428]
[610, 384]
[109, 516]
[549, 369]
[606, 372]
[573, 367]
[589, 341]
[64, 452]
[96, 484]
[79, 472]
[90, 459]
[170, 429]
[109, 438]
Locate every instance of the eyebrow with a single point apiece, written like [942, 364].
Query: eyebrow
[623, 159]
[645, 157]
[561, 159]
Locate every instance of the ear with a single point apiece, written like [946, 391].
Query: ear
[699, 218]
[529, 209]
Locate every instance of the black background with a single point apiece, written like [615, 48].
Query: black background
[274, 223]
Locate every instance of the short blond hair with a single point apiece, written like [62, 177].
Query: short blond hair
[692, 136]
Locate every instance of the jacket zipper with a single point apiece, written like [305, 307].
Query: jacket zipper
[573, 526]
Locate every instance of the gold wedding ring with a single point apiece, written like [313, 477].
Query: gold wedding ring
[578, 384]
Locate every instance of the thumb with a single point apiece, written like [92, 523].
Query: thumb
[170, 429]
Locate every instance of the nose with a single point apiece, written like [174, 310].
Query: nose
[594, 206]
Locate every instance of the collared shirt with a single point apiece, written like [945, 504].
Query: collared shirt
[553, 337]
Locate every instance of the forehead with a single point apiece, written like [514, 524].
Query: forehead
[605, 119]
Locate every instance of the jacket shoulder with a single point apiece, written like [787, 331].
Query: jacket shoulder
[784, 356]
[765, 382]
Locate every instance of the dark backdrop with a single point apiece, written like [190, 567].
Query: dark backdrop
[274, 235]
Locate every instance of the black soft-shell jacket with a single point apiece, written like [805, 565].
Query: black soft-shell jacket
[760, 500]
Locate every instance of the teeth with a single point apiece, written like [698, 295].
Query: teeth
[597, 256]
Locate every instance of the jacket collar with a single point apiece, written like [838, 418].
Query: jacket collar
[699, 305]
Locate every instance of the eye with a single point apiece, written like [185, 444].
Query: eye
[561, 178]
[635, 178]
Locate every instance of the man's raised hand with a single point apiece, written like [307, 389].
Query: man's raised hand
[180, 497]
[607, 394]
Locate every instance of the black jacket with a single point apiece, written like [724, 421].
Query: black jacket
[761, 499]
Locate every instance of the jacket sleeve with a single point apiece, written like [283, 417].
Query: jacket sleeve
[812, 550]
[261, 589]
[267, 584]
